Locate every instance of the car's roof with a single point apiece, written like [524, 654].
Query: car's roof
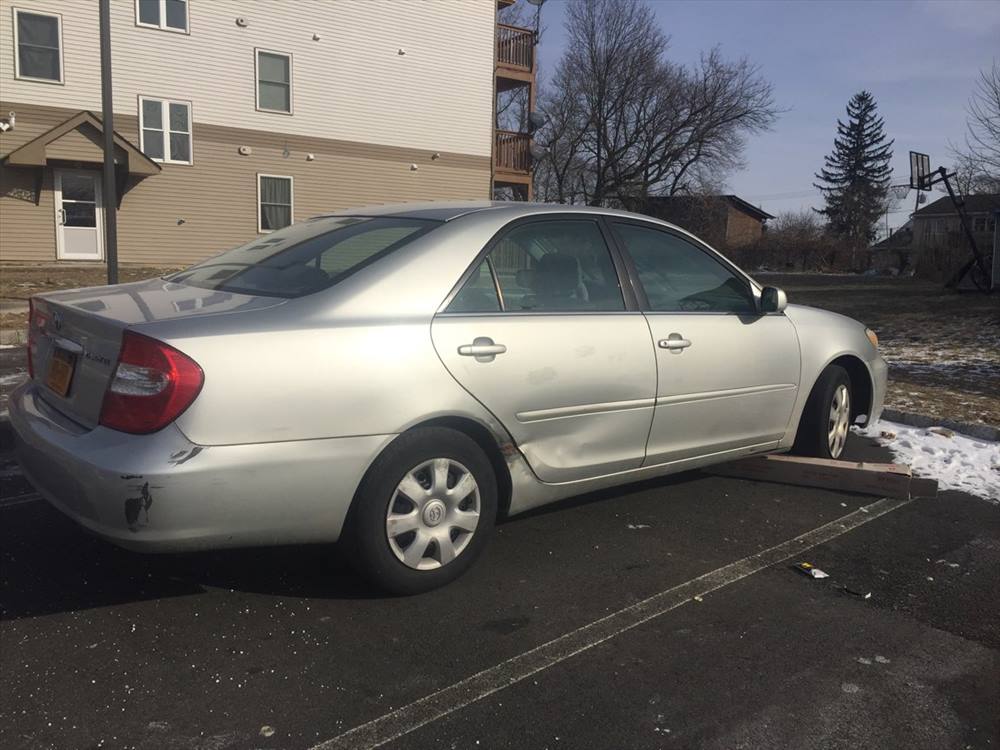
[449, 210]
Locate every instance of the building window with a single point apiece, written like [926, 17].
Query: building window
[38, 40]
[274, 201]
[169, 15]
[979, 224]
[274, 81]
[165, 130]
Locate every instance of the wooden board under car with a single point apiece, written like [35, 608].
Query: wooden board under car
[885, 480]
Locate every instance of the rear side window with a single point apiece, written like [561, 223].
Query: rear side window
[677, 276]
[304, 258]
[546, 266]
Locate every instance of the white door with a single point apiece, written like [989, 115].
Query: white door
[79, 215]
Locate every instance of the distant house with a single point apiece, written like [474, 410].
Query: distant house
[936, 226]
[894, 254]
[725, 221]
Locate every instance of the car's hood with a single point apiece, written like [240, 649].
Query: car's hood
[156, 299]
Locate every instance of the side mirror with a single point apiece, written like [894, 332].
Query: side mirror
[772, 299]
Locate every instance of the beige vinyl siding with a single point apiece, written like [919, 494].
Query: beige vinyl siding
[27, 231]
[189, 212]
[350, 84]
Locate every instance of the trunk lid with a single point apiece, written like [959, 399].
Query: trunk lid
[76, 335]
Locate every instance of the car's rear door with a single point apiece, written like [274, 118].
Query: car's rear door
[727, 375]
[539, 332]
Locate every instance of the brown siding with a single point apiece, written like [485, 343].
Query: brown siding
[27, 231]
[741, 229]
[187, 213]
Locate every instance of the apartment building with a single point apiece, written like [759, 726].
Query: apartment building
[237, 117]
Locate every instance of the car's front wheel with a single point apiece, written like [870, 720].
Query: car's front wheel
[826, 419]
[423, 512]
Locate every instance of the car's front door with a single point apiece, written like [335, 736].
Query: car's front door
[539, 333]
[727, 375]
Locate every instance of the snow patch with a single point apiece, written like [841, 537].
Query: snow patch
[956, 461]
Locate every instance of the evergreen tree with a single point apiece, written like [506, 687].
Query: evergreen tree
[856, 176]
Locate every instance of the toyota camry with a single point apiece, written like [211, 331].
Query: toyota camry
[396, 378]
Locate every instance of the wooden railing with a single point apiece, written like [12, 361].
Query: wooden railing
[512, 152]
[515, 47]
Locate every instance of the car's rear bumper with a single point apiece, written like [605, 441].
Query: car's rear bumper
[160, 492]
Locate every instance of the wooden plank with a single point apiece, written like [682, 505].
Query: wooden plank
[885, 480]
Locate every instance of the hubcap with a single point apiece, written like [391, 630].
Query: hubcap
[433, 514]
[840, 420]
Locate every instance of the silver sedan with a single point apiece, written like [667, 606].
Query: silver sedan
[397, 377]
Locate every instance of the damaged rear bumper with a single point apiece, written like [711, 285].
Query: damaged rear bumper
[162, 493]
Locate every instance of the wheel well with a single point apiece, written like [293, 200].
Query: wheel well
[485, 440]
[861, 384]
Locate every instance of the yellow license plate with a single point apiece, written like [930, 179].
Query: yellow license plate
[61, 368]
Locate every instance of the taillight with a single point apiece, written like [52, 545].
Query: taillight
[38, 316]
[152, 385]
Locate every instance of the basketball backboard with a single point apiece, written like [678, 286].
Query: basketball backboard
[920, 171]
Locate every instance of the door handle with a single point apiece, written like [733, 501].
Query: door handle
[674, 342]
[482, 348]
[62, 217]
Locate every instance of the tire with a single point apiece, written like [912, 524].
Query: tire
[408, 545]
[825, 423]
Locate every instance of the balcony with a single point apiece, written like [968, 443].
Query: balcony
[515, 56]
[512, 156]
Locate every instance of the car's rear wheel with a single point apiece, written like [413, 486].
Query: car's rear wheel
[826, 419]
[423, 512]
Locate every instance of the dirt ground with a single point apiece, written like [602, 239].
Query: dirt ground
[943, 347]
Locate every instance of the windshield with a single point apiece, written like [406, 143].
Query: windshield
[304, 258]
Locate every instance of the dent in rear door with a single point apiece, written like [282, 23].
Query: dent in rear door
[574, 391]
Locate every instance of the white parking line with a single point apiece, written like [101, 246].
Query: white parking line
[27, 497]
[402, 721]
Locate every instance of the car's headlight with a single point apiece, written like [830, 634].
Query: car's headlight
[872, 336]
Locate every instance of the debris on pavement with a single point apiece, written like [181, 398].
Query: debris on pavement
[639, 526]
[861, 594]
[810, 570]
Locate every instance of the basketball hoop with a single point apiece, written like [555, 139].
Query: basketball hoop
[900, 191]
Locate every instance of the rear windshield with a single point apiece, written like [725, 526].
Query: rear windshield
[304, 258]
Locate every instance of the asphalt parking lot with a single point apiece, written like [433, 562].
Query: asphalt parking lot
[285, 648]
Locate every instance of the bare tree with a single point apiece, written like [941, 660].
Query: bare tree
[626, 123]
[970, 178]
[978, 162]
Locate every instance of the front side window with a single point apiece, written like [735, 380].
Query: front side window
[274, 81]
[38, 39]
[678, 276]
[169, 15]
[547, 266]
[305, 257]
[274, 202]
[165, 130]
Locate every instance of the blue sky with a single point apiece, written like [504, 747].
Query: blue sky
[920, 59]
